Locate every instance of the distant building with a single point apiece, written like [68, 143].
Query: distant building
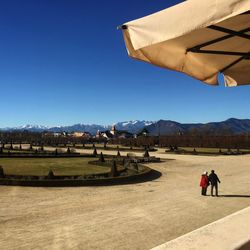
[144, 132]
[98, 134]
[104, 134]
[78, 134]
[113, 130]
[57, 134]
[124, 134]
[113, 133]
[87, 135]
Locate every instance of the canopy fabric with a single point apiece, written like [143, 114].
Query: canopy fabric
[198, 38]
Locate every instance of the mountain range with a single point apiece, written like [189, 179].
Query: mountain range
[130, 126]
[161, 127]
[230, 126]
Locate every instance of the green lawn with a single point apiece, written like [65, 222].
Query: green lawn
[6, 150]
[60, 166]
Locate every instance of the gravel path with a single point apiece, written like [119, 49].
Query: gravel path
[138, 216]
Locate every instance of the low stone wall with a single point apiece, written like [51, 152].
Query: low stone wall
[145, 160]
[184, 152]
[121, 160]
[67, 181]
[230, 233]
[49, 155]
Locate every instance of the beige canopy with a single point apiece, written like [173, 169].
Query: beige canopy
[200, 38]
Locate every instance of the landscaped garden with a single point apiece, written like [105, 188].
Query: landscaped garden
[206, 151]
[62, 168]
[59, 166]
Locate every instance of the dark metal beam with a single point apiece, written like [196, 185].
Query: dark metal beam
[228, 31]
[215, 52]
[215, 40]
[234, 63]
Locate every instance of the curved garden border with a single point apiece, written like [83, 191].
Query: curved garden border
[147, 175]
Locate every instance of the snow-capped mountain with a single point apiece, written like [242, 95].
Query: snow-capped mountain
[132, 126]
[29, 127]
[162, 127]
[92, 129]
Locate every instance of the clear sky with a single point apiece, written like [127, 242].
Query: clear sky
[63, 62]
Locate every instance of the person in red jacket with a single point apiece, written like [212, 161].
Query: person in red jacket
[204, 183]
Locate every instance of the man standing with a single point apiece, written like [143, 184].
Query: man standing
[213, 179]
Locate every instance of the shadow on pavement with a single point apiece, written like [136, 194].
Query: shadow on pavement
[152, 176]
[234, 196]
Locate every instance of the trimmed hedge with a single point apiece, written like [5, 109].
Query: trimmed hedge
[62, 181]
[44, 155]
[123, 170]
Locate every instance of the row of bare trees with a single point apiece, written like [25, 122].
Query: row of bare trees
[36, 138]
[225, 141]
[218, 141]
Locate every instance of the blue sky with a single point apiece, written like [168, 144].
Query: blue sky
[64, 62]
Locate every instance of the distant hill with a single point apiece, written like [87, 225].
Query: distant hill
[232, 126]
[162, 127]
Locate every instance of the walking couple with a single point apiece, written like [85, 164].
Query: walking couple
[207, 180]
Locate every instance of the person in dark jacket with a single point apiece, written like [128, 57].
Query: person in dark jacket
[213, 179]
